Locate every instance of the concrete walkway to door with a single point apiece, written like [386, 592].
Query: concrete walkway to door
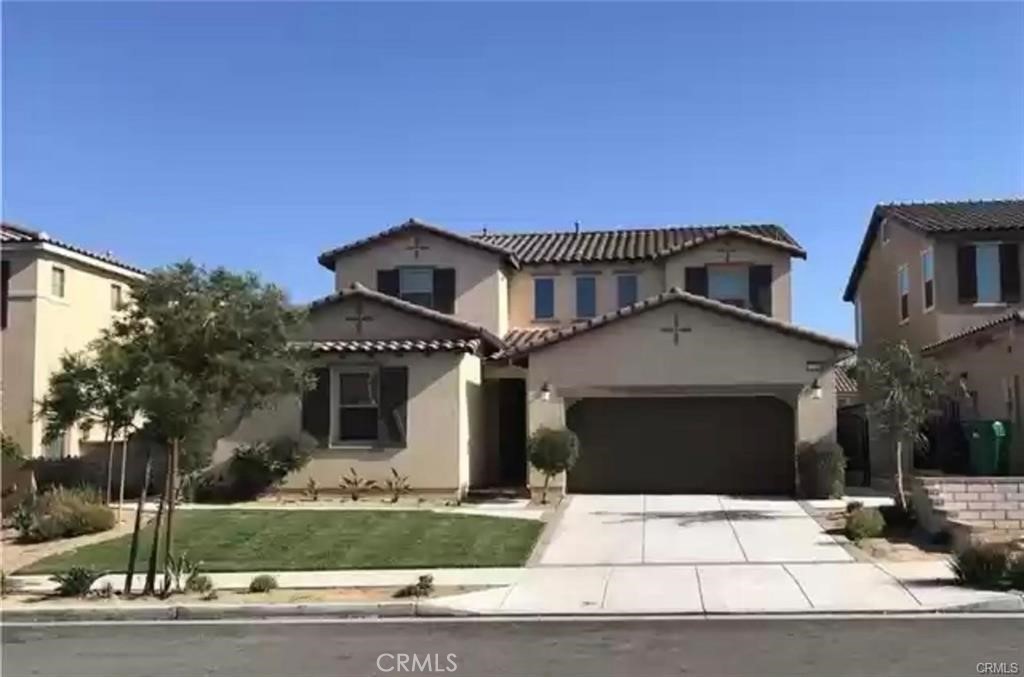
[686, 529]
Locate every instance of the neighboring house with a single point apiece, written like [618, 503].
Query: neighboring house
[669, 351]
[946, 278]
[56, 298]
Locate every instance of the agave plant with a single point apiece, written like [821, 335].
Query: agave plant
[356, 485]
[397, 485]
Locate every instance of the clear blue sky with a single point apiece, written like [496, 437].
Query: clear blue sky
[257, 135]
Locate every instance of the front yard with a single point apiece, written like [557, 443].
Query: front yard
[289, 540]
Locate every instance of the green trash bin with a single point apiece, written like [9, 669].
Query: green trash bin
[989, 443]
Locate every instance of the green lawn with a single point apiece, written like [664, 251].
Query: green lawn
[246, 540]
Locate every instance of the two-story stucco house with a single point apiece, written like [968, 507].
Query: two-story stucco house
[56, 298]
[669, 351]
[946, 278]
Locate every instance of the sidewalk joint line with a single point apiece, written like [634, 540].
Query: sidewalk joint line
[798, 586]
[700, 589]
[732, 527]
[899, 582]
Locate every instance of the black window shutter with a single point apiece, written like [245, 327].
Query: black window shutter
[387, 282]
[761, 289]
[444, 290]
[394, 394]
[5, 291]
[966, 274]
[316, 407]
[1009, 271]
[697, 280]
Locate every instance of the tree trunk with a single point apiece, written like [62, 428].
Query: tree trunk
[544, 491]
[133, 552]
[124, 472]
[172, 494]
[153, 556]
[110, 465]
[901, 495]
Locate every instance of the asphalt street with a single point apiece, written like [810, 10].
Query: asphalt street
[933, 646]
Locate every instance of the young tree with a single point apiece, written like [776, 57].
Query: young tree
[552, 452]
[903, 391]
[216, 344]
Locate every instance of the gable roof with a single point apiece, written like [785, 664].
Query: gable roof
[328, 258]
[525, 343]
[845, 383]
[15, 235]
[633, 244]
[358, 291]
[938, 218]
[1015, 316]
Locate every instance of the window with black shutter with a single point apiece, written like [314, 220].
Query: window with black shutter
[316, 407]
[966, 274]
[1009, 272]
[761, 289]
[697, 280]
[5, 291]
[387, 282]
[394, 396]
[444, 290]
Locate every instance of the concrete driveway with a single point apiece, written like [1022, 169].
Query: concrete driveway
[686, 529]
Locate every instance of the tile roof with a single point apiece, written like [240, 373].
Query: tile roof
[1014, 316]
[328, 257]
[357, 290]
[938, 218]
[11, 234]
[845, 383]
[370, 346]
[526, 343]
[633, 244]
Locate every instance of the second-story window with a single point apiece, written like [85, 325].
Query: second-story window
[416, 285]
[5, 291]
[989, 272]
[543, 298]
[729, 284]
[928, 278]
[903, 286]
[422, 285]
[627, 288]
[586, 296]
[116, 297]
[57, 282]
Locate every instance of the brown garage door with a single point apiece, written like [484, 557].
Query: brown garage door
[741, 445]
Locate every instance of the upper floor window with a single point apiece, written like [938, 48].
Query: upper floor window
[586, 296]
[116, 296]
[730, 284]
[883, 229]
[628, 289]
[903, 286]
[928, 278]
[543, 298]
[5, 291]
[988, 272]
[422, 285]
[57, 280]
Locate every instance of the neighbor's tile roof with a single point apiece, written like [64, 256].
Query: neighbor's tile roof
[328, 257]
[11, 234]
[359, 291]
[845, 384]
[633, 244]
[1015, 316]
[525, 342]
[370, 346]
[937, 218]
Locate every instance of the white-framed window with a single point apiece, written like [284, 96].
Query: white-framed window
[987, 266]
[58, 282]
[928, 279]
[116, 296]
[416, 285]
[730, 284]
[355, 405]
[903, 287]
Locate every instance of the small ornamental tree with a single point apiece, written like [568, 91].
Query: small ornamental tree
[902, 392]
[553, 451]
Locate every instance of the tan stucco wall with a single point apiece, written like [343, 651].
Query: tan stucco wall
[473, 443]
[741, 251]
[436, 454]
[720, 356]
[331, 322]
[992, 362]
[478, 276]
[43, 327]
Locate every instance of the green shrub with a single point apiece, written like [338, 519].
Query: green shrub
[822, 469]
[355, 484]
[263, 583]
[254, 469]
[981, 565]
[76, 581]
[553, 451]
[1015, 572]
[397, 485]
[62, 513]
[180, 572]
[853, 506]
[864, 523]
[200, 583]
[900, 516]
[423, 587]
[9, 448]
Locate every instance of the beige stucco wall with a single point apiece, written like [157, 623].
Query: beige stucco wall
[478, 274]
[473, 443]
[721, 356]
[42, 327]
[740, 251]
[437, 449]
[332, 322]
